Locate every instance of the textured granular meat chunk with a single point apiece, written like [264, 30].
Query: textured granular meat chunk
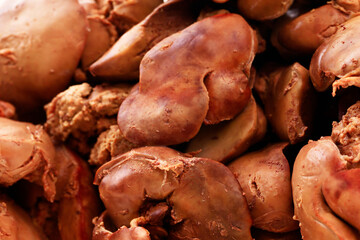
[82, 112]
[110, 143]
[346, 134]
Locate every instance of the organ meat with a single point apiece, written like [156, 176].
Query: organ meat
[346, 134]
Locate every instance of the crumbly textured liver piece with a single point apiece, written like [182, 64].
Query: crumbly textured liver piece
[82, 112]
[346, 134]
[109, 144]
